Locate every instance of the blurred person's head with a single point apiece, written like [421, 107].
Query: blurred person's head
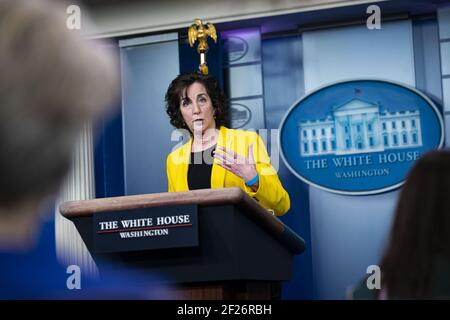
[195, 100]
[51, 83]
[421, 229]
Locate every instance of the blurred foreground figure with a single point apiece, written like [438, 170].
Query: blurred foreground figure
[416, 264]
[51, 83]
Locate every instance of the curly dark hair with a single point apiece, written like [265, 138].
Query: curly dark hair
[183, 81]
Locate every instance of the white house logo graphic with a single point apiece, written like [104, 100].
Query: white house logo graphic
[360, 126]
[235, 47]
[359, 137]
[240, 115]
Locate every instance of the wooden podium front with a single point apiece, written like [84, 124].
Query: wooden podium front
[243, 251]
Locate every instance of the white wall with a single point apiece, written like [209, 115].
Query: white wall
[150, 16]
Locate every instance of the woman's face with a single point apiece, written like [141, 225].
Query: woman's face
[197, 109]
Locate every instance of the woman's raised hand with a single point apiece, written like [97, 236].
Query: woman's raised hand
[243, 167]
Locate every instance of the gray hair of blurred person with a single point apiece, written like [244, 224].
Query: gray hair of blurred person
[51, 83]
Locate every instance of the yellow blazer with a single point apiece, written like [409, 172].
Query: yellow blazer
[270, 193]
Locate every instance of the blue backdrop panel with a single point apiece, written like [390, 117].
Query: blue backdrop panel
[426, 59]
[108, 157]
[148, 66]
[108, 151]
[283, 84]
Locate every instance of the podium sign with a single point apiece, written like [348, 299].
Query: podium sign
[146, 229]
[208, 241]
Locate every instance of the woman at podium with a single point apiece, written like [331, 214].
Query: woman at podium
[216, 156]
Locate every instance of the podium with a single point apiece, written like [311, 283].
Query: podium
[239, 250]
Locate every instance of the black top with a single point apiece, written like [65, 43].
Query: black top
[200, 167]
